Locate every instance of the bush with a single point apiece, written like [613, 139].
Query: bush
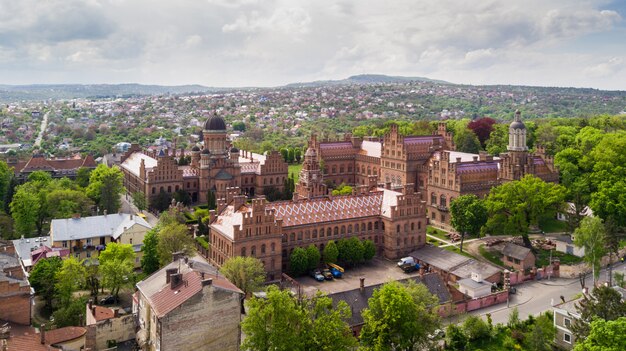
[476, 329]
[202, 241]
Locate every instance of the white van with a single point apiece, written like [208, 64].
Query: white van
[406, 260]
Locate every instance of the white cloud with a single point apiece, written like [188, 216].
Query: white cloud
[270, 42]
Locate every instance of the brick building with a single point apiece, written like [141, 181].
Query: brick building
[107, 325]
[187, 305]
[15, 290]
[215, 167]
[56, 167]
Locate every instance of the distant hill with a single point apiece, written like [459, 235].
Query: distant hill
[366, 79]
[70, 91]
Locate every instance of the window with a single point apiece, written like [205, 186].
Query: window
[262, 249]
[567, 322]
[64, 243]
[567, 338]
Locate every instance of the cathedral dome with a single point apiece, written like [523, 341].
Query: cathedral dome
[517, 122]
[215, 123]
[195, 148]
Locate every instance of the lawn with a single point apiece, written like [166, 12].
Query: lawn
[543, 258]
[295, 170]
[437, 232]
[552, 225]
[491, 256]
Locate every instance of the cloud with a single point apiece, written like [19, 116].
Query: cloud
[270, 42]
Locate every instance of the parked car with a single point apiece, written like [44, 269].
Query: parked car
[336, 273]
[406, 260]
[317, 275]
[107, 300]
[410, 267]
[327, 274]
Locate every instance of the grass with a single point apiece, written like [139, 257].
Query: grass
[295, 170]
[437, 232]
[552, 225]
[543, 258]
[434, 241]
[491, 256]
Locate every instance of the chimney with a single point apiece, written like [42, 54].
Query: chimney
[42, 333]
[482, 155]
[475, 158]
[168, 274]
[76, 216]
[175, 280]
[458, 160]
[362, 284]
[116, 312]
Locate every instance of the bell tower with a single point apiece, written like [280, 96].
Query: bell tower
[311, 182]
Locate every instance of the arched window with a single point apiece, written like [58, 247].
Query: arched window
[169, 188]
[433, 199]
[336, 230]
[262, 249]
[273, 247]
[442, 201]
[153, 190]
[406, 228]
[419, 225]
[314, 233]
[343, 229]
[363, 227]
[243, 251]
[369, 226]
[398, 228]
[412, 226]
[329, 232]
[292, 237]
[349, 228]
[253, 251]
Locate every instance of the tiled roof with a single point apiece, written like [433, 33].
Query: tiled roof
[39, 163]
[481, 166]
[25, 338]
[423, 139]
[336, 145]
[61, 335]
[250, 167]
[515, 251]
[229, 218]
[95, 226]
[163, 299]
[102, 313]
[189, 171]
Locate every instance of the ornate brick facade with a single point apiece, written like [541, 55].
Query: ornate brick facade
[216, 167]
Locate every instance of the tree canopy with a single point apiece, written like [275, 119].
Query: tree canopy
[591, 236]
[604, 336]
[105, 187]
[469, 215]
[247, 273]
[116, 266]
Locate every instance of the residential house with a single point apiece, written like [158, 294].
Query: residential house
[31, 250]
[15, 290]
[87, 236]
[518, 257]
[565, 244]
[187, 305]
[564, 316]
[107, 327]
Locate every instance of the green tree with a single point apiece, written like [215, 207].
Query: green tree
[369, 250]
[92, 278]
[604, 336]
[239, 126]
[247, 273]
[498, 139]
[105, 187]
[298, 262]
[282, 323]
[605, 303]
[476, 328]
[139, 200]
[82, 176]
[150, 257]
[183, 197]
[63, 203]
[469, 215]
[72, 314]
[313, 256]
[467, 141]
[591, 236]
[174, 237]
[342, 189]
[69, 278]
[399, 317]
[331, 252]
[6, 173]
[116, 266]
[351, 250]
[212, 202]
[514, 206]
[25, 209]
[455, 338]
[161, 201]
[541, 337]
[43, 278]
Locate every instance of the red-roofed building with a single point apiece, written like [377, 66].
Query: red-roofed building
[187, 305]
[57, 167]
[105, 325]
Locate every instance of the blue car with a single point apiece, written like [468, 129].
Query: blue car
[336, 273]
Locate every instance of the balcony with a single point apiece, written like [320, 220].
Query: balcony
[442, 208]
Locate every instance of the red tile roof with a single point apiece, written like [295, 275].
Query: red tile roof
[167, 299]
[25, 338]
[102, 313]
[65, 334]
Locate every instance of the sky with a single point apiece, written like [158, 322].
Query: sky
[239, 43]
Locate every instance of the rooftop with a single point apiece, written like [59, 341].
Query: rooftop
[133, 162]
[95, 226]
[448, 261]
[515, 251]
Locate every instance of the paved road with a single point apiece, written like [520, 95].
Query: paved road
[42, 129]
[539, 296]
[128, 207]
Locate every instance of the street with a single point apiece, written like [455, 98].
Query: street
[539, 296]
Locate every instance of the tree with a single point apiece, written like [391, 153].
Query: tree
[399, 317]
[455, 338]
[466, 141]
[282, 323]
[298, 261]
[482, 127]
[92, 278]
[183, 197]
[43, 278]
[591, 236]
[498, 139]
[351, 250]
[604, 336]
[604, 303]
[212, 204]
[63, 203]
[342, 189]
[331, 252]
[247, 273]
[72, 314]
[105, 187]
[469, 215]
[476, 328]
[541, 337]
[6, 174]
[161, 201]
[116, 266]
[313, 256]
[174, 237]
[150, 257]
[69, 278]
[82, 176]
[514, 206]
[139, 200]
[369, 250]
[25, 209]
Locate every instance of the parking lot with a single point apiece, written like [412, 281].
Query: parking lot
[375, 272]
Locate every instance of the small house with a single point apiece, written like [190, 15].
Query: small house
[475, 286]
[518, 257]
[565, 244]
